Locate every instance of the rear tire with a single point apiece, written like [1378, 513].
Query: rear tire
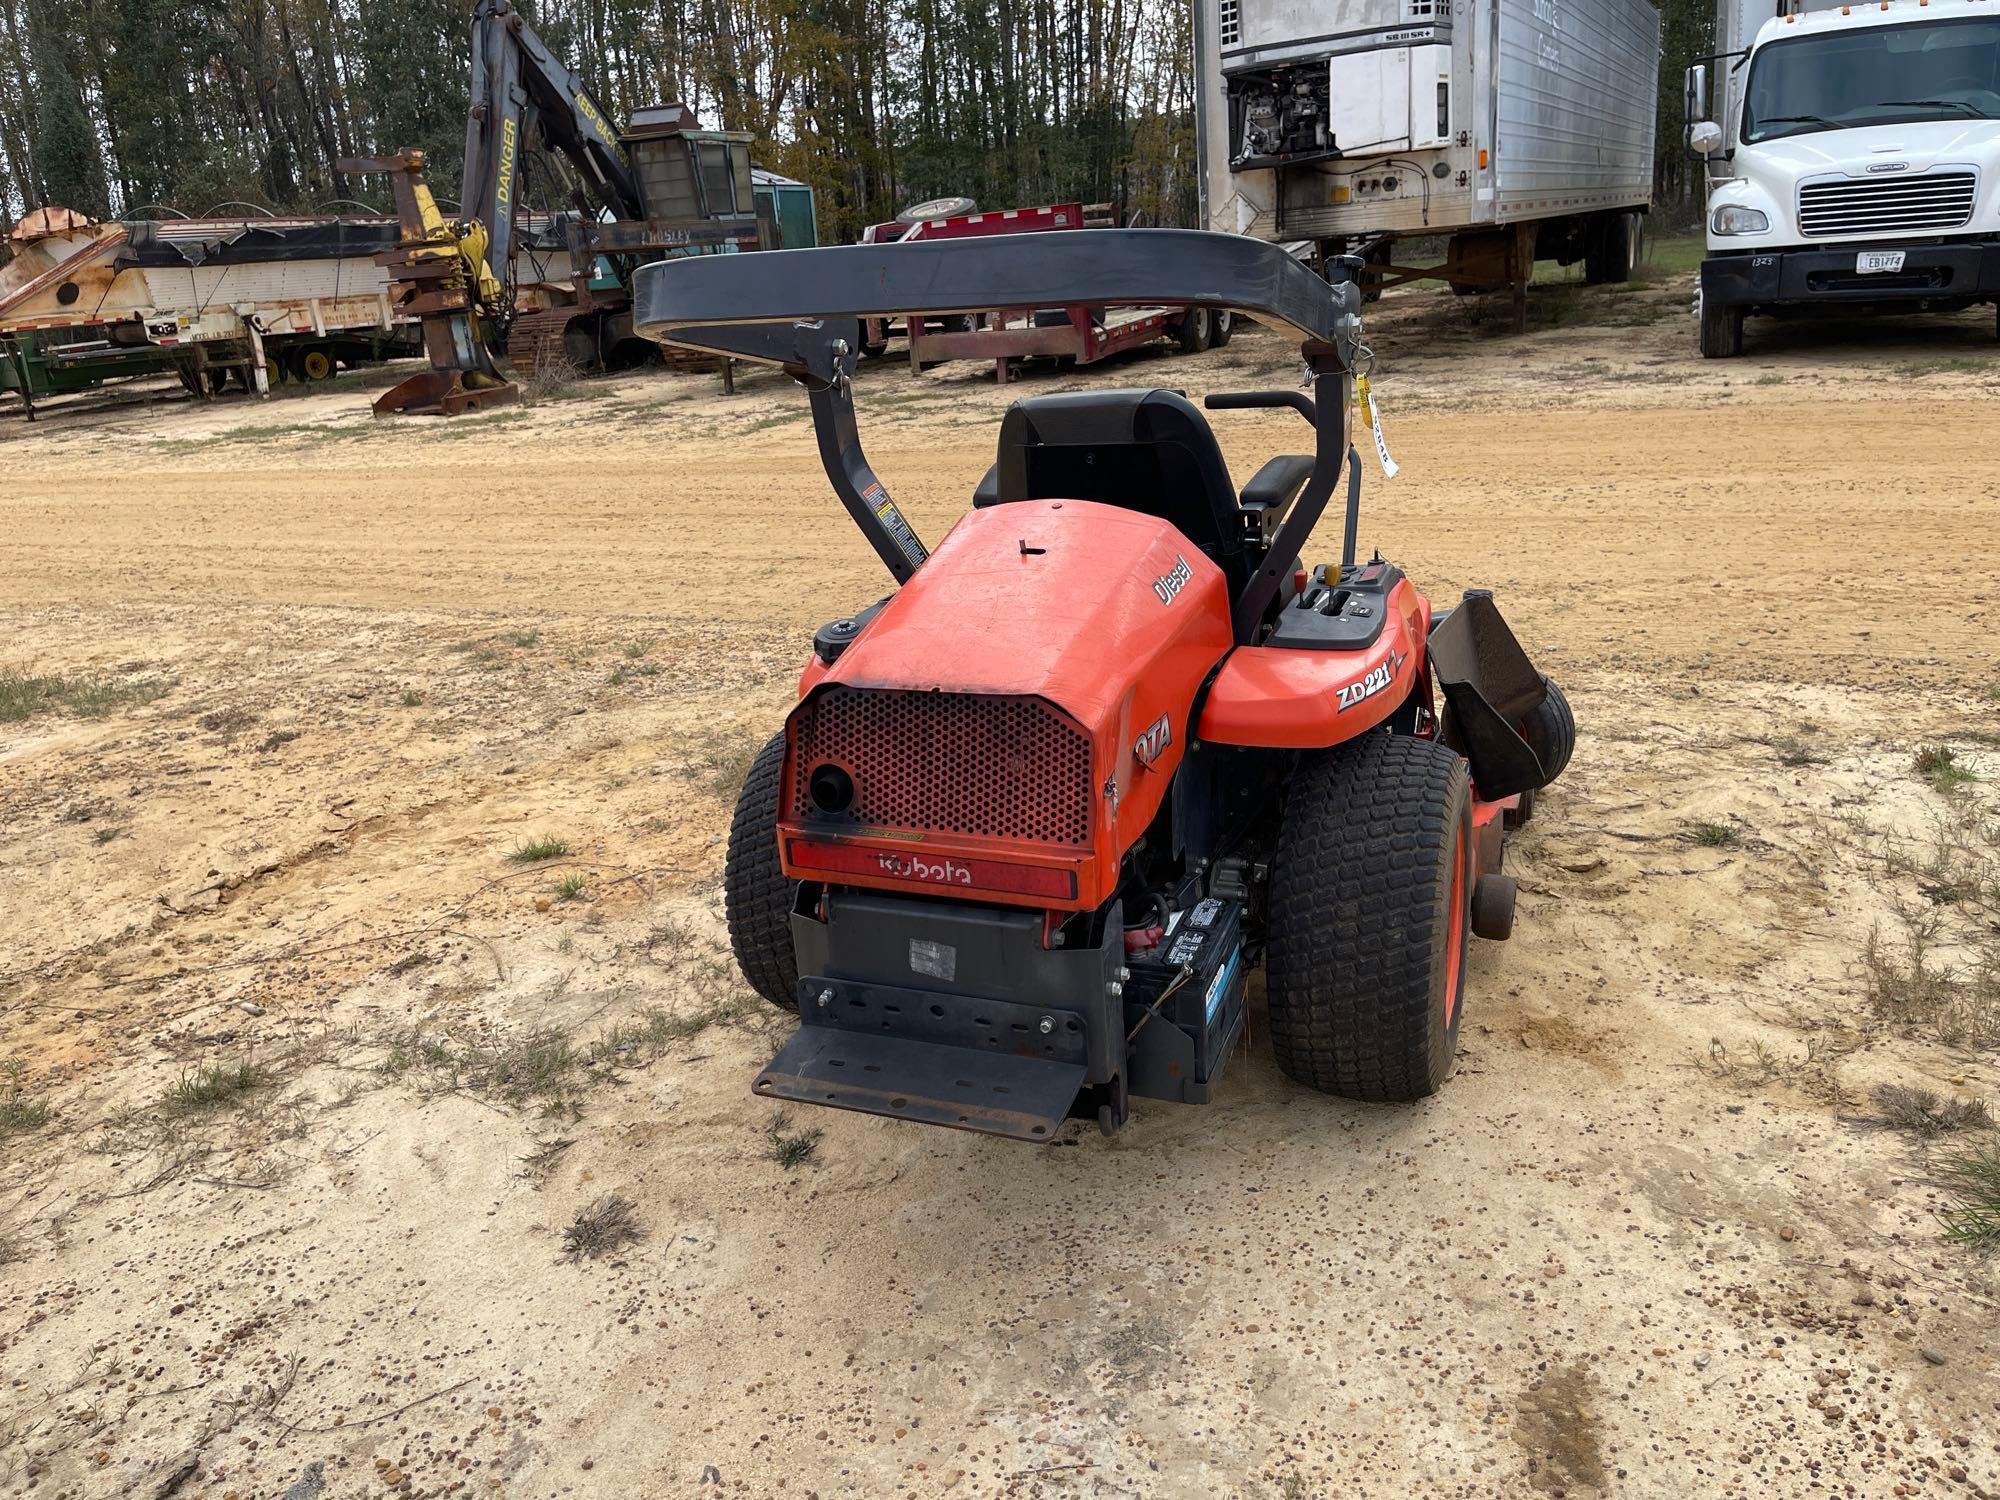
[1608, 252]
[1551, 732]
[756, 896]
[1222, 323]
[1720, 334]
[1192, 333]
[1370, 912]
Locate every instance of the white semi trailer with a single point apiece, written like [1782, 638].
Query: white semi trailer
[1853, 160]
[1514, 129]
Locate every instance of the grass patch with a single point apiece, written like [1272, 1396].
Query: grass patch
[630, 1043]
[569, 888]
[1912, 983]
[724, 764]
[278, 737]
[1772, 379]
[541, 847]
[18, 1113]
[411, 698]
[524, 638]
[1674, 254]
[610, 1223]
[637, 649]
[1926, 1114]
[22, 696]
[1938, 765]
[1797, 749]
[1948, 365]
[105, 835]
[1971, 1183]
[791, 1149]
[543, 1160]
[618, 677]
[205, 1090]
[1714, 836]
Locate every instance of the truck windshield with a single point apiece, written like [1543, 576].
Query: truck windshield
[1927, 70]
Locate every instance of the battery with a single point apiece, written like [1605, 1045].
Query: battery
[1178, 1050]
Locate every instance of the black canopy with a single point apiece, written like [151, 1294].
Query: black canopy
[702, 301]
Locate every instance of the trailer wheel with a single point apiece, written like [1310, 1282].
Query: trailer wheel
[316, 364]
[1371, 895]
[1193, 332]
[1720, 329]
[756, 896]
[1609, 246]
[1551, 732]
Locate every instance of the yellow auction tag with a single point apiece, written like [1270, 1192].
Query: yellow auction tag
[1372, 415]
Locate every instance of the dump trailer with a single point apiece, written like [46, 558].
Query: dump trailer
[249, 300]
[84, 300]
[1851, 152]
[1514, 130]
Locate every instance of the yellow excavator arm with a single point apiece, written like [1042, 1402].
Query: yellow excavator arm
[440, 275]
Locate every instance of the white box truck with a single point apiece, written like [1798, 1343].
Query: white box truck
[1514, 129]
[1853, 160]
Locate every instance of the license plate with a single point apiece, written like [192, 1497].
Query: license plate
[1871, 261]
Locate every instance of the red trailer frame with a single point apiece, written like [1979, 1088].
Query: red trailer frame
[1005, 335]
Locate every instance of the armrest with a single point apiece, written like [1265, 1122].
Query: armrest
[987, 492]
[1274, 487]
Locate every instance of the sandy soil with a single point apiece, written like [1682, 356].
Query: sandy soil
[1651, 1240]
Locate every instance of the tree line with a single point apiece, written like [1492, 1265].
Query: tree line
[125, 106]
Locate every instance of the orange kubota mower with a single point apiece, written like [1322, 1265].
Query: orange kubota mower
[1039, 812]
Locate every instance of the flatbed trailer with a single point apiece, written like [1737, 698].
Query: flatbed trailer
[1007, 335]
[1075, 332]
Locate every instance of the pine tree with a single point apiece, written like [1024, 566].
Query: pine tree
[66, 152]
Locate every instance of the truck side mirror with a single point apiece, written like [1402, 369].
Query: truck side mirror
[1694, 99]
[1704, 136]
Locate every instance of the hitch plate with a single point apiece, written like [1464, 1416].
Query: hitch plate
[997, 1093]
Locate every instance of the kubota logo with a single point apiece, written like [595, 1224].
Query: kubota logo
[936, 871]
[1170, 584]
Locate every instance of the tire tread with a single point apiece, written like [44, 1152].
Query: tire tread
[756, 896]
[1357, 905]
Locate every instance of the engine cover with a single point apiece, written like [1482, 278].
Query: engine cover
[1009, 723]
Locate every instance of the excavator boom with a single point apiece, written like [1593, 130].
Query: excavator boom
[520, 87]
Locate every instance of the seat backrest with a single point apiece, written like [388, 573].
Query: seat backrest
[1149, 451]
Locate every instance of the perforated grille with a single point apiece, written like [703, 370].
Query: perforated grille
[1230, 21]
[965, 763]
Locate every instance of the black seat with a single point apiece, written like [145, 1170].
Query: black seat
[1149, 451]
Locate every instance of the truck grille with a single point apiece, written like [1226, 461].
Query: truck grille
[955, 763]
[1892, 205]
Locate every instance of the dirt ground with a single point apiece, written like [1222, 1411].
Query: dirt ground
[310, 1081]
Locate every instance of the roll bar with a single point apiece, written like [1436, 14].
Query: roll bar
[801, 310]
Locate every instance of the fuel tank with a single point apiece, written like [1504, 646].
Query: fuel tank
[1009, 723]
